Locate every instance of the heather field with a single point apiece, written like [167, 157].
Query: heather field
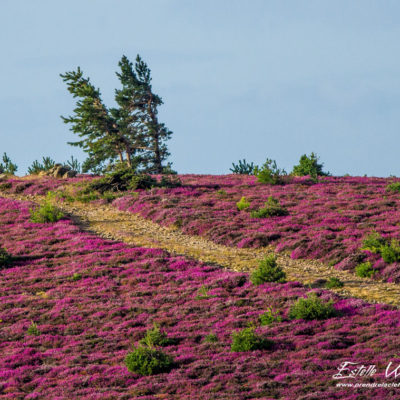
[326, 221]
[73, 304]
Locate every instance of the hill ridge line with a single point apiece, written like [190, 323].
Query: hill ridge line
[108, 222]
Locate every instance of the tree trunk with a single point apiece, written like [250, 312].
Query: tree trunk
[128, 159]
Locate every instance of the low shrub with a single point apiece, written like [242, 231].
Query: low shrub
[46, 212]
[272, 208]
[311, 308]
[156, 337]
[242, 168]
[269, 173]
[365, 270]
[46, 165]
[7, 166]
[333, 283]
[248, 340]
[308, 165]
[269, 317]
[374, 243]
[211, 338]
[5, 258]
[243, 204]
[268, 271]
[393, 187]
[33, 330]
[148, 361]
[391, 252]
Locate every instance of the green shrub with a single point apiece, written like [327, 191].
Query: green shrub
[308, 165]
[148, 361]
[391, 253]
[374, 243]
[268, 271]
[76, 276]
[37, 167]
[269, 317]
[46, 212]
[247, 340]
[269, 173]
[5, 258]
[156, 337]
[312, 308]
[334, 282]
[7, 166]
[211, 338]
[33, 330]
[243, 204]
[272, 208]
[393, 187]
[169, 182]
[243, 168]
[365, 270]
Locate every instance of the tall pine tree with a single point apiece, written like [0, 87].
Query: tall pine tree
[129, 133]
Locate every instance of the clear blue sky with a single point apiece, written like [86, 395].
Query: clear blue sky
[240, 79]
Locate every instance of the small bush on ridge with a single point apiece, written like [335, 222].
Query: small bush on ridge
[211, 338]
[269, 173]
[243, 168]
[7, 166]
[247, 340]
[268, 271]
[312, 308]
[308, 165]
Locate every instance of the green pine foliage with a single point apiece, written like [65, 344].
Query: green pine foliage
[309, 165]
[365, 270]
[268, 271]
[7, 166]
[269, 317]
[248, 340]
[269, 173]
[46, 212]
[36, 167]
[311, 308]
[242, 168]
[272, 208]
[393, 187]
[148, 361]
[130, 132]
[155, 337]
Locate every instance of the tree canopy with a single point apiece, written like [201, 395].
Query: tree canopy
[129, 133]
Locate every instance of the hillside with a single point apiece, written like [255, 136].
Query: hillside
[92, 298]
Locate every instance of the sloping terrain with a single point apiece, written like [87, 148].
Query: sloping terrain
[92, 298]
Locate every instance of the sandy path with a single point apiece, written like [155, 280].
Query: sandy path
[108, 222]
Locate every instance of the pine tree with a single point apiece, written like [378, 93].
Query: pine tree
[155, 132]
[131, 132]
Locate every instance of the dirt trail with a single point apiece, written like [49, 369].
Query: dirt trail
[110, 223]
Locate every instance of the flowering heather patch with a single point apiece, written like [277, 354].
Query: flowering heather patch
[326, 221]
[67, 338]
[40, 185]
